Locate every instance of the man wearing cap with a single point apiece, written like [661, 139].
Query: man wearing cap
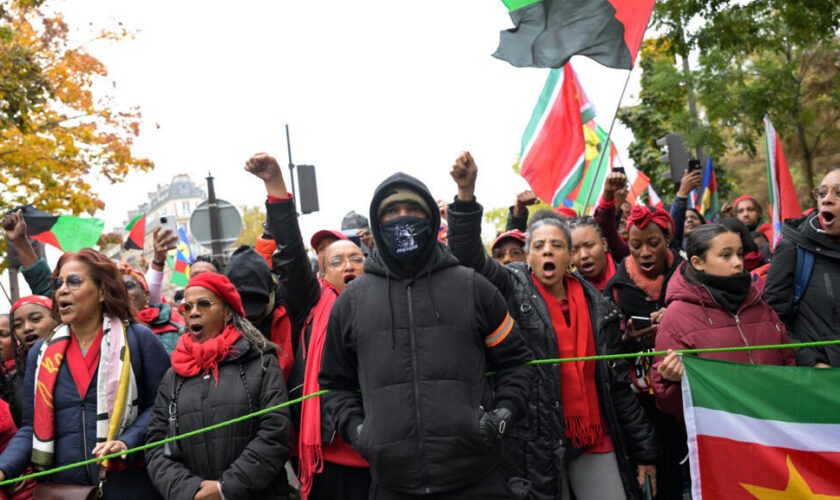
[748, 210]
[408, 346]
[509, 247]
[327, 466]
[262, 300]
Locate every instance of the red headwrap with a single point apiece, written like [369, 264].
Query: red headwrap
[745, 197]
[641, 216]
[34, 299]
[221, 286]
[566, 212]
[127, 269]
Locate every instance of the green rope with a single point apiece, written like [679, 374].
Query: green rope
[324, 391]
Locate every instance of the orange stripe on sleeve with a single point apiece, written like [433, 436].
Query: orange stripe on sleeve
[500, 333]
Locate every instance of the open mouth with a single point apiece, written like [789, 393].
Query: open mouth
[647, 266]
[587, 268]
[30, 339]
[196, 329]
[348, 278]
[64, 306]
[827, 217]
[549, 269]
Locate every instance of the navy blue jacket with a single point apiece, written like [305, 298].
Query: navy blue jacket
[75, 420]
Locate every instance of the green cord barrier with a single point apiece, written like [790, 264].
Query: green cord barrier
[324, 391]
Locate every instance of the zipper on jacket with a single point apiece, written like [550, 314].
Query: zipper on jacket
[420, 447]
[84, 439]
[741, 332]
[204, 423]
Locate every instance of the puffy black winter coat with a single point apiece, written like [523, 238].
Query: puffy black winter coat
[247, 457]
[818, 315]
[537, 445]
[416, 344]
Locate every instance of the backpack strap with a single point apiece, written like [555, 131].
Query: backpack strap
[804, 268]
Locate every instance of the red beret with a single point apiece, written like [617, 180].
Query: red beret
[221, 286]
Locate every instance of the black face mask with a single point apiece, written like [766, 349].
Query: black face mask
[405, 237]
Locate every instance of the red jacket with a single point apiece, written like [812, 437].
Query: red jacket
[693, 320]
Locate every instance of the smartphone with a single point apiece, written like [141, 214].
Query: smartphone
[168, 222]
[619, 170]
[640, 322]
[693, 165]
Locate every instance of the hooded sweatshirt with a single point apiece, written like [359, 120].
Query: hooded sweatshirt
[693, 320]
[418, 344]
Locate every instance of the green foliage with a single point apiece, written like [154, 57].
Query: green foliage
[252, 220]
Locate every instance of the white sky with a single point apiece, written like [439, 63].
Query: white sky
[367, 88]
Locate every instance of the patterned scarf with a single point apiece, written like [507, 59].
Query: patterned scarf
[116, 389]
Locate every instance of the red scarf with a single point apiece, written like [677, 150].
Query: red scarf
[9, 367]
[651, 287]
[753, 260]
[191, 358]
[310, 448]
[149, 316]
[600, 282]
[281, 336]
[83, 366]
[581, 411]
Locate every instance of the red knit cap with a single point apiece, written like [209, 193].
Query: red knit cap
[33, 299]
[745, 197]
[641, 216]
[221, 286]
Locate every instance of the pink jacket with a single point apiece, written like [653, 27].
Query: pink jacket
[693, 320]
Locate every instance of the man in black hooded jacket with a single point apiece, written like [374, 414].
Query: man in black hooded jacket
[417, 333]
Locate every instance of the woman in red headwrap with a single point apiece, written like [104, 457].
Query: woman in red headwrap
[222, 368]
[638, 289]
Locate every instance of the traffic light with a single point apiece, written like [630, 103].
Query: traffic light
[676, 154]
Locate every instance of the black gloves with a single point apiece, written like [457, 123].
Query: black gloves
[492, 425]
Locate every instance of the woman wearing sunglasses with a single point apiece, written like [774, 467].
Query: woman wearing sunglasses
[97, 375]
[162, 319]
[222, 368]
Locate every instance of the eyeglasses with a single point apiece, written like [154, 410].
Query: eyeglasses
[822, 191]
[336, 262]
[202, 305]
[74, 282]
[499, 253]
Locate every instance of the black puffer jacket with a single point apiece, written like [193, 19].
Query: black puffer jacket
[416, 345]
[247, 457]
[818, 314]
[537, 445]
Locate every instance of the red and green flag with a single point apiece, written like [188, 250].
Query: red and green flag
[783, 200]
[136, 233]
[762, 432]
[547, 33]
[65, 232]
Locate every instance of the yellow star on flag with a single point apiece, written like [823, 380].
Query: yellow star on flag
[796, 488]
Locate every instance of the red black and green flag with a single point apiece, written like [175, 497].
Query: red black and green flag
[136, 233]
[548, 33]
[65, 232]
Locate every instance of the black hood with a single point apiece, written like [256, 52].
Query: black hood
[807, 233]
[401, 180]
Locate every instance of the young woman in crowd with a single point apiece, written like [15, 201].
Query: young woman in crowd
[713, 302]
[752, 256]
[813, 313]
[638, 289]
[584, 410]
[31, 320]
[162, 319]
[589, 252]
[99, 399]
[223, 368]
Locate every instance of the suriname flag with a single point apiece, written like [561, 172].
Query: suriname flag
[762, 432]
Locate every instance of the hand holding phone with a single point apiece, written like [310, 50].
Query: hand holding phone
[167, 222]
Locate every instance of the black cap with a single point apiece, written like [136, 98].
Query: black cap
[249, 273]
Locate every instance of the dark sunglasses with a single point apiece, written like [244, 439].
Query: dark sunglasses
[130, 284]
[201, 304]
[74, 281]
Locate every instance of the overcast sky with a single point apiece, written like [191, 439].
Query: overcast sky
[367, 88]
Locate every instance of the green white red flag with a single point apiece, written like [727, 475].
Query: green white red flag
[783, 200]
[762, 432]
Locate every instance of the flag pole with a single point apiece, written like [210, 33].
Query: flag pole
[606, 145]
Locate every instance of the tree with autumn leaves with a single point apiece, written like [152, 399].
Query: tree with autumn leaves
[57, 132]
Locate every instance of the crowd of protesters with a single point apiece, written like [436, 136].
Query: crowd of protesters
[420, 339]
